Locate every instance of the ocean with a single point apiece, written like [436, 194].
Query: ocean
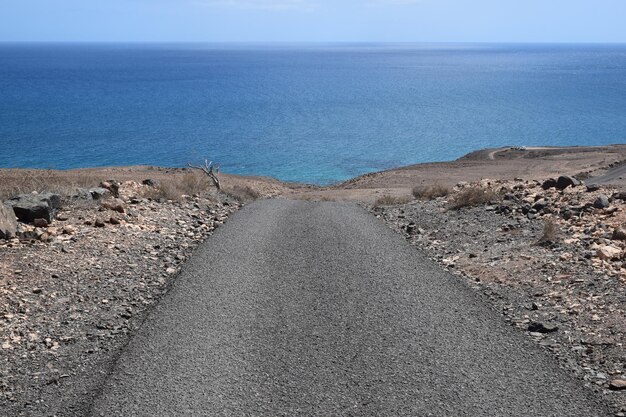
[308, 113]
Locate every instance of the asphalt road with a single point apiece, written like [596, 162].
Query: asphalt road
[615, 175]
[318, 309]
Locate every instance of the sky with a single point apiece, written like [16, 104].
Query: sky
[597, 21]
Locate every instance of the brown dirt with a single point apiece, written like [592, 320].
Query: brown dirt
[532, 164]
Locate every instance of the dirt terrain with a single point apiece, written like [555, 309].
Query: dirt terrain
[72, 291]
[504, 163]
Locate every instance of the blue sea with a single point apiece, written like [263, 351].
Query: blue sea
[310, 113]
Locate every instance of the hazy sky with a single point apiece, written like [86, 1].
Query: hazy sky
[314, 20]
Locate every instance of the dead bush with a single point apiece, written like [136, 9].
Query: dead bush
[473, 196]
[242, 193]
[430, 192]
[175, 187]
[388, 200]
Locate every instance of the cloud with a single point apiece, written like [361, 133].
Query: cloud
[272, 5]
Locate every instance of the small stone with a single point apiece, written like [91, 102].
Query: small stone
[40, 223]
[114, 204]
[99, 223]
[619, 234]
[37, 290]
[618, 384]
[537, 327]
[170, 271]
[412, 229]
[608, 252]
[114, 220]
[601, 202]
[69, 230]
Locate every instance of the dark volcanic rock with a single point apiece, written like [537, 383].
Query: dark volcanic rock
[28, 207]
[549, 183]
[592, 187]
[542, 327]
[619, 196]
[565, 181]
[601, 202]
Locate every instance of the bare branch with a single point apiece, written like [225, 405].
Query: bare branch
[211, 170]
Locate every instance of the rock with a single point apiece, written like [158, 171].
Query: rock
[540, 204]
[170, 271]
[98, 193]
[619, 196]
[40, 223]
[114, 204]
[149, 182]
[565, 181]
[81, 194]
[99, 223]
[617, 384]
[601, 202]
[608, 252]
[28, 207]
[549, 183]
[68, 230]
[537, 327]
[412, 229]
[619, 233]
[592, 187]
[8, 222]
[114, 220]
[113, 186]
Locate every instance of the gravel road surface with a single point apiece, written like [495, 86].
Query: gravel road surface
[300, 308]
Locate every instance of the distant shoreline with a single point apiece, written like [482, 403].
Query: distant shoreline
[532, 163]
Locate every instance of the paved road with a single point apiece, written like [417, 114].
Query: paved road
[615, 175]
[318, 309]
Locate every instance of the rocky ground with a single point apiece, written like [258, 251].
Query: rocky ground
[552, 261]
[72, 291]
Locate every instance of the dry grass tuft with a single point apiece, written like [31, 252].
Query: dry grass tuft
[430, 192]
[474, 196]
[14, 182]
[177, 186]
[388, 200]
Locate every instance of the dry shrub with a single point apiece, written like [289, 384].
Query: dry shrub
[175, 187]
[242, 193]
[430, 192]
[22, 181]
[388, 200]
[550, 232]
[474, 196]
